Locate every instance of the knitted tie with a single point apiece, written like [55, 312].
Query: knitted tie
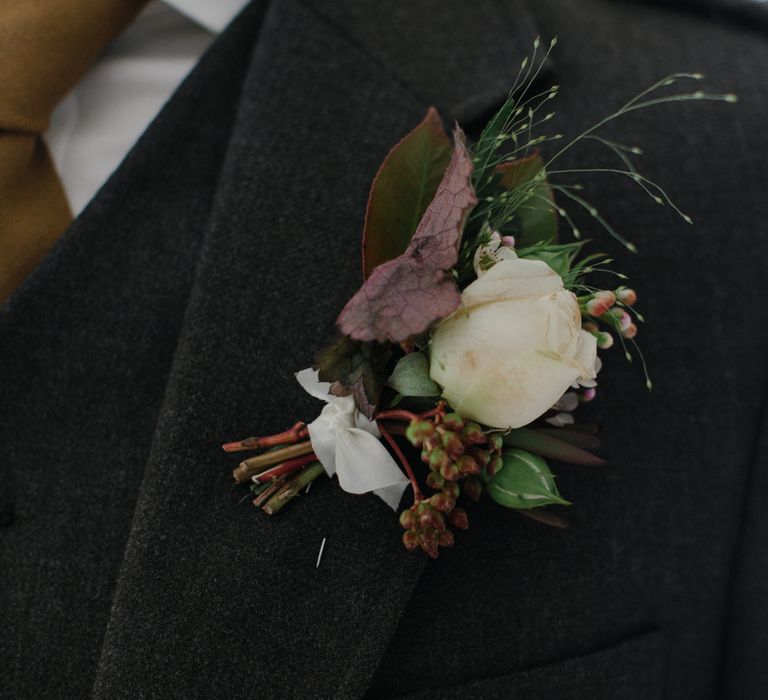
[45, 48]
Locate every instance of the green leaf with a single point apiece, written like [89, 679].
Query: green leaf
[490, 139]
[537, 215]
[559, 256]
[411, 376]
[405, 184]
[558, 260]
[543, 516]
[524, 481]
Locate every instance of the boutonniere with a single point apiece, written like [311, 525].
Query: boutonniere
[462, 359]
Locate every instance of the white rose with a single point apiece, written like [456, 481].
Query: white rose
[513, 347]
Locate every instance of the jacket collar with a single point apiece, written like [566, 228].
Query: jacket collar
[213, 16]
[228, 596]
[460, 57]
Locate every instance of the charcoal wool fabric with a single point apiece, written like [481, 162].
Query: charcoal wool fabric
[173, 313]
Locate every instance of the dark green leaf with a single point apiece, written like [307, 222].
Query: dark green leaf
[490, 139]
[403, 297]
[574, 437]
[524, 481]
[356, 369]
[537, 215]
[560, 257]
[549, 446]
[405, 184]
[411, 376]
[541, 515]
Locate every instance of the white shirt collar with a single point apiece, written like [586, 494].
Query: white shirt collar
[214, 15]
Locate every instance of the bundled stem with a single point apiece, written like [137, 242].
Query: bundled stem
[286, 468]
[288, 437]
[270, 491]
[256, 465]
[288, 490]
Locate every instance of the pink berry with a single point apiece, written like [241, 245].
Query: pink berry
[630, 331]
[606, 296]
[597, 307]
[627, 296]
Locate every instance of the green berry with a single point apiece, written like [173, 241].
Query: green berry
[494, 466]
[473, 488]
[451, 488]
[411, 539]
[495, 442]
[435, 481]
[467, 465]
[482, 457]
[446, 539]
[458, 518]
[450, 471]
[417, 431]
[438, 459]
[442, 502]
[472, 434]
[408, 519]
[453, 421]
[453, 444]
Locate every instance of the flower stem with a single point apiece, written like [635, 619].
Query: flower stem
[402, 414]
[285, 468]
[293, 488]
[397, 414]
[417, 495]
[287, 437]
[256, 465]
[395, 428]
[270, 491]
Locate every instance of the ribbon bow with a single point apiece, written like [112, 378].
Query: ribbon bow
[347, 444]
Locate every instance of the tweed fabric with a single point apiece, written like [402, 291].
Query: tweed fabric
[132, 566]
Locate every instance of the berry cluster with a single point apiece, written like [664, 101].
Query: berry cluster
[455, 451]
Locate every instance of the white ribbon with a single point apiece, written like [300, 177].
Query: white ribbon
[347, 444]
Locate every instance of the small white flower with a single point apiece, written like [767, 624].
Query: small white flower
[592, 382]
[492, 252]
[347, 444]
[561, 420]
[568, 402]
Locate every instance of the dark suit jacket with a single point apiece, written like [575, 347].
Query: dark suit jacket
[174, 312]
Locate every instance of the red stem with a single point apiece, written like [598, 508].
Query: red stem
[287, 467]
[395, 428]
[396, 414]
[401, 414]
[417, 496]
[288, 437]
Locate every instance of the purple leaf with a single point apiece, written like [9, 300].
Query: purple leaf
[354, 369]
[405, 296]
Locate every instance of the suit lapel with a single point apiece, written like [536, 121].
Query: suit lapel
[214, 597]
[461, 57]
[87, 347]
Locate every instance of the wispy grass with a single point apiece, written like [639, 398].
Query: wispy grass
[516, 130]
